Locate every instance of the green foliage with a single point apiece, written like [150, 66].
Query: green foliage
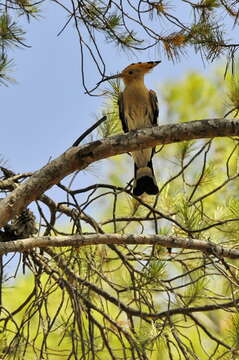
[154, 272]
[189, 216]
[233, 206]
[196, 289]
[5, 66]
[98, 15]
[209, 4]
[112, 125]
[11, 34]
[200, 98]
[233, 335]
[233, 95]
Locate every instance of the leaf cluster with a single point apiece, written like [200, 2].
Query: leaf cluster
[11, 32]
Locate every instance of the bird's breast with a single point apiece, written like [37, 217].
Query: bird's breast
[137, 109]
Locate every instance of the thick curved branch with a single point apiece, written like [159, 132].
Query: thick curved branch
[78, 158]
[117, 239]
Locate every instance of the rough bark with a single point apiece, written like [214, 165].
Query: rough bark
[117, 239]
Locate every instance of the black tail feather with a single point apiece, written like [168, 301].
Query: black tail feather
[145, 184]
[145, 180]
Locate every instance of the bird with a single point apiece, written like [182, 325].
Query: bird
[138, 108]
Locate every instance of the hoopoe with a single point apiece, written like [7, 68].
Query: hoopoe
[138, 108]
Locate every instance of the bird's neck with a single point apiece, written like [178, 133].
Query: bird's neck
[135, 92]
[137, 83]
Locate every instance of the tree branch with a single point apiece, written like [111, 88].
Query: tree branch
[78, 158]
[117, 239]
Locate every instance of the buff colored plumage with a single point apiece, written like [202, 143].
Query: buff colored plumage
[138, 108]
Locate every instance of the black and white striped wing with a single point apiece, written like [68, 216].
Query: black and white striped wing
[122, 113]
[154, 104]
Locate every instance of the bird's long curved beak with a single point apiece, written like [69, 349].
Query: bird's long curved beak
[116, 76]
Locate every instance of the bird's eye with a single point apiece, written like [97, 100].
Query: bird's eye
[130, 72]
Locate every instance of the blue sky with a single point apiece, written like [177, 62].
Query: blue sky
[46, 110]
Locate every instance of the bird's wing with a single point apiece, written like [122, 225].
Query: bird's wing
[154, 104]
[122, 114]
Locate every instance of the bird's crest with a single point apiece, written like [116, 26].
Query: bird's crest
[133, 71]
[145, 66]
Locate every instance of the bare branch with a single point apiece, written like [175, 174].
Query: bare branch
[117, 239]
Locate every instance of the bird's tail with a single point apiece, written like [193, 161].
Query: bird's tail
[145, 181]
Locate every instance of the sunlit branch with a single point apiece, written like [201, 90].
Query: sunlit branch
[78, 158]
[95, 239]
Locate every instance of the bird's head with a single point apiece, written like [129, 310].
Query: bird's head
[134, 71]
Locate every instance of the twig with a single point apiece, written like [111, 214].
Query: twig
[88, 131]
